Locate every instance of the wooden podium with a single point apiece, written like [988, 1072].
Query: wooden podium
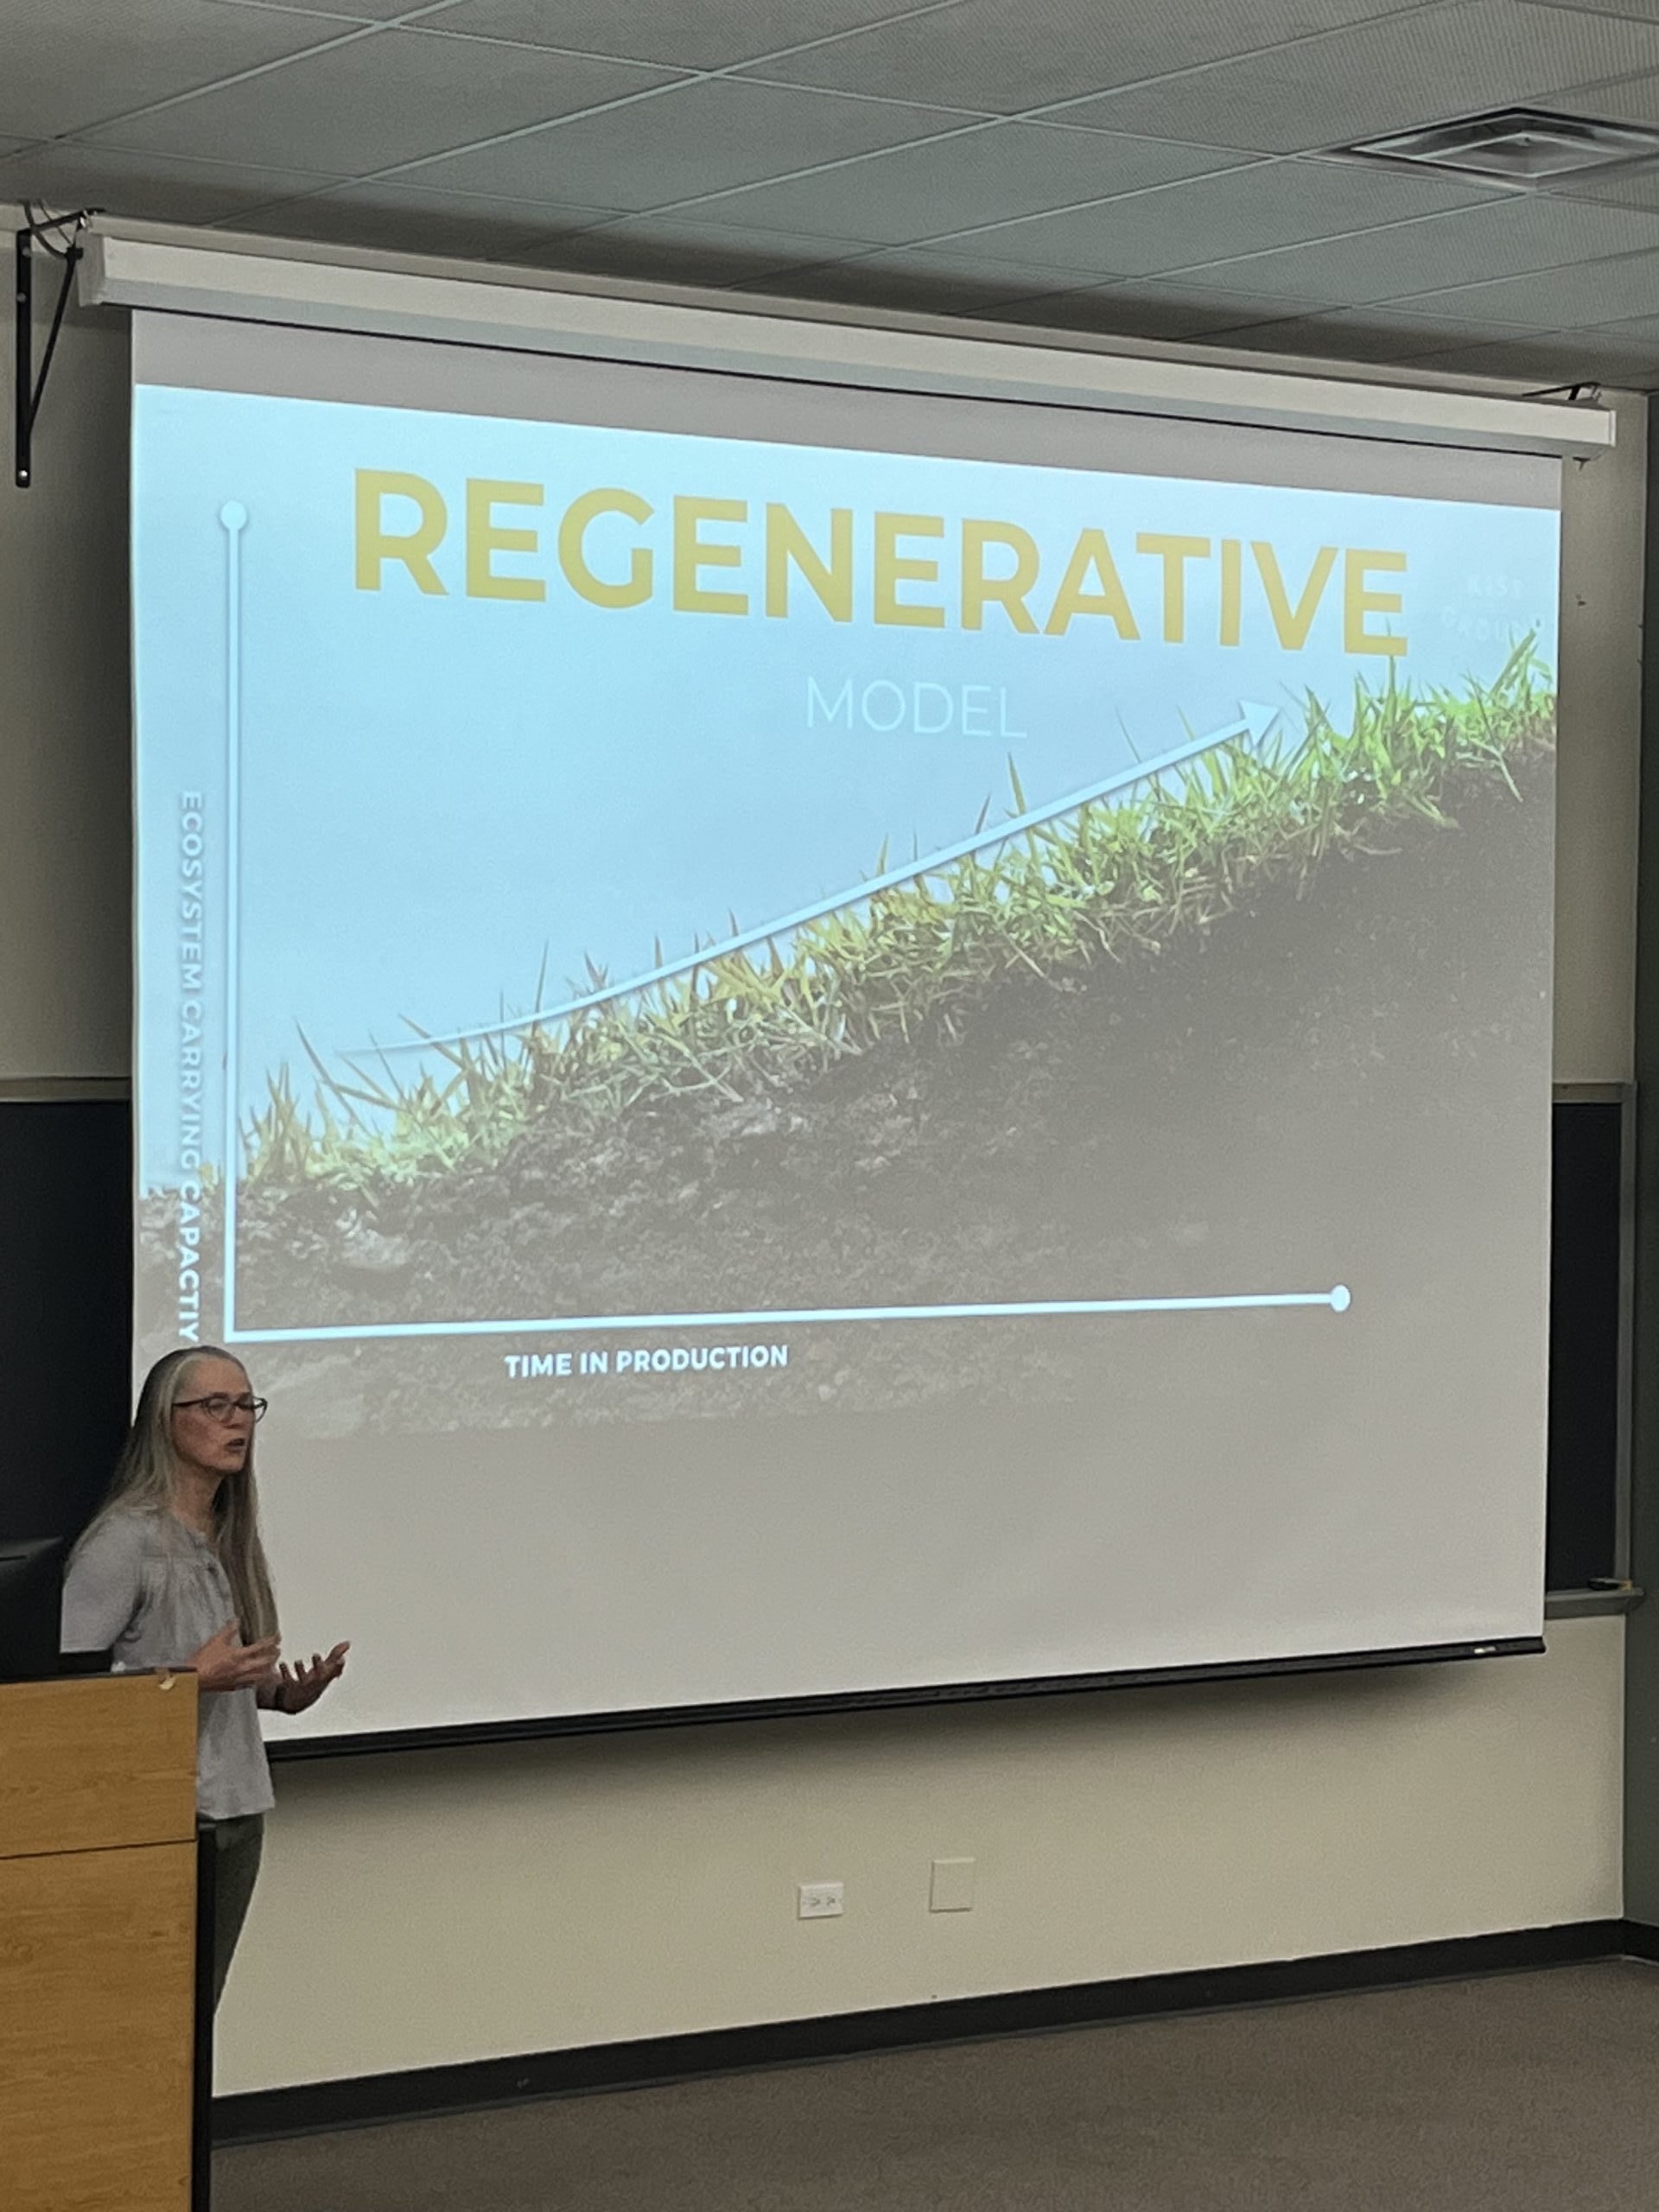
[98, 1943]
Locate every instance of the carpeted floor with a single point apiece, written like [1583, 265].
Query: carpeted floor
[1533, 2092]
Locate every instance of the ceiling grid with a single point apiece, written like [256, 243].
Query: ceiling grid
[1148, 168]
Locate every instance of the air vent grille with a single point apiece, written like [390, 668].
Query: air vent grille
[1519, 145]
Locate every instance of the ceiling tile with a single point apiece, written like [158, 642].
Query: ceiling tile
[1541, 361]
[962, 265]
[358, 11]
[1169, 312]
[1616, 188]
[1645, 11]
[1408, 69]
[1505, 239]
[1215, 217]
[1006, 55]
[659, 250]
[387, 220]
[1631, 368]
[1366, 334]
[147, 189]
[910, 282]
[1625, 352]
[1640, 330]
[692, 33]
[388, 96]
[699, 138]
[1551, 359]
[983, 174]
[65, 64]
[1628, 99]
[1576, 296]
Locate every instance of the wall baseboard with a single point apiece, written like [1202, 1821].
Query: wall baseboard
[309, 2107]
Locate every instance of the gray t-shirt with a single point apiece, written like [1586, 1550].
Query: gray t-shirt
[150, 1590]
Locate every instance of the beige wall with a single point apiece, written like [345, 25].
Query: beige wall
[65, 878]
[418, 1910]
[1602, 522]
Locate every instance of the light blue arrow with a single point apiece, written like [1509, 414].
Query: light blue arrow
[1252, 726]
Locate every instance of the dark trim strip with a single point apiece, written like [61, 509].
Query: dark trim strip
[1586, 1604]
[201, 2083]
[792, 1708]
[259, 2115]
[50, 1089]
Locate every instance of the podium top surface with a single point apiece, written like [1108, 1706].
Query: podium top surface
[96, 1763]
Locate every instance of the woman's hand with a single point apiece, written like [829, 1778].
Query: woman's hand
[299, 1686]
[224, 1663]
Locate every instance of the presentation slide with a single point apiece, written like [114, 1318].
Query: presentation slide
[818, 1041]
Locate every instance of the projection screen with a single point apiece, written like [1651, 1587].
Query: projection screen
[824, 1042]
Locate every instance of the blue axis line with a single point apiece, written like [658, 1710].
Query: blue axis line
[233, 519]
[1336, 1301]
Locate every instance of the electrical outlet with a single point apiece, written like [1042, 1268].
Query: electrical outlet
[820, 1900]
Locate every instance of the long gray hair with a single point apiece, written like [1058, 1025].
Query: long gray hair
[146, 1480]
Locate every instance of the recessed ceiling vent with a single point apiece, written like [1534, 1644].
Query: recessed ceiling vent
[1522, 145]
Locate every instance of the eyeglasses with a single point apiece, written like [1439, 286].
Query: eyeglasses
[220, 1408]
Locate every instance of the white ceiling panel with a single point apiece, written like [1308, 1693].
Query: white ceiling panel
[1402, 70]
[983, 174]
[947, 265]
[1641, 330]
[1372, 335]
[1550, 360]
[903, 282]
[699, 138]
[1616, 187]
[398, 221]
[659, 250]
[1634, 368]
[361, 11]
[1576, 296]
[1646, 11]
[390, 96]
[1216, 218]
[65, 64]
[986, 54]
[1507, 239]
[146, 188]
[1628, 99]
[692, 33]
[1139, 167]
[1171, 312]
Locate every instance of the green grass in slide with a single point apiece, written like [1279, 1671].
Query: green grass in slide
[1113, 880]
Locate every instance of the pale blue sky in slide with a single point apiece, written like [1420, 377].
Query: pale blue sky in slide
[435, 788]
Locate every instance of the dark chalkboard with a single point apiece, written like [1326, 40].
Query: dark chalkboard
[65, 1307]
[1588, 1384]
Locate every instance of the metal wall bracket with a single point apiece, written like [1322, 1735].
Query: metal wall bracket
[30, 389]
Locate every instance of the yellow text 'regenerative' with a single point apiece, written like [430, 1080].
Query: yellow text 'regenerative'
[612, 549]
